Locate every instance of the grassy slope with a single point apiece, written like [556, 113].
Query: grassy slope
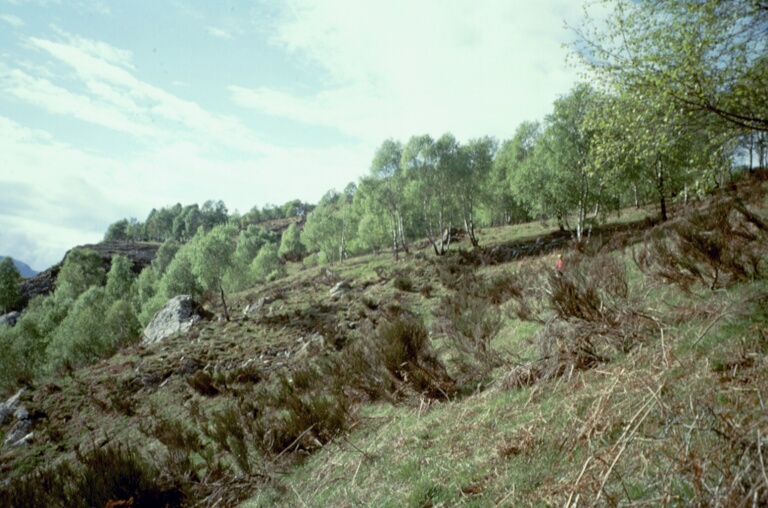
[677, 418]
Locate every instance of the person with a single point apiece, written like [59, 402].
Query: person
[559, 263]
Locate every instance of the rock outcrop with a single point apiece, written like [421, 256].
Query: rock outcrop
[340, 289]
[178, 315]
[254, 308]
[9, 406]
[20, 432]
[43, 283]
[10, 319]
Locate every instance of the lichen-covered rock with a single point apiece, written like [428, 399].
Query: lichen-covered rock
[254, 308]
[8, 407]
[10, 319]
[340, 289]
[141, 254]
[20, 434]
[178, 315]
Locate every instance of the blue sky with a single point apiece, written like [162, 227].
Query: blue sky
[111, 108]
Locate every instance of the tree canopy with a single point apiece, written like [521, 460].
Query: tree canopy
[709, 57]
[9, 284]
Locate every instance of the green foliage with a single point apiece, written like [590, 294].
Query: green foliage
[315, 259]
[121, 326]
[17, 366]
[125, 230]
[117, 232]
[82, 269]
[179, 278]
[211, 255]
[153, 290]
[186, 224]
[24, 347]
[249, 243]
[664, 153]
[164, 256]
[403, 283]
[267, 266]
[9, 284]
[120, 278]
[331, 226]
[555, 180]
[707, 58]
[432, 168]
[94, 328]
[472, 176]
[78, 340]
[145, 288]
[291, 248]
[382, 197]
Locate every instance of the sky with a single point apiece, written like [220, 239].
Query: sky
[111, 108]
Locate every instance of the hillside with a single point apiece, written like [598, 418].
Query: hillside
[24, 269]
[480, 378]
[42, 283]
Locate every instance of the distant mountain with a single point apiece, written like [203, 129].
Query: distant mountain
[23, 268]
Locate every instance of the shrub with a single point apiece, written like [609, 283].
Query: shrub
[302, 410]
[202, 382]
[227, 429]
[527, 290]
[469, 326]
[93, 329]
[181, 443]
[503, 287]
[403, 283]
[103, 476]
[594, 320]
[291, 248]
[591, 289]
[453, 275]
[9, 284]
[266, 266]
[717, 247]
[82, 269]
[394, 361]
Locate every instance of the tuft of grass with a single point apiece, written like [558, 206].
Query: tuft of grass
[403, 283]
[100, 477]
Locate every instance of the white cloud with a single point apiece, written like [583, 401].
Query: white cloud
[12, 20]
[55, 196]
[110, 95]
[399, 68]
[55, 99]
[218, 32]
[97, 49]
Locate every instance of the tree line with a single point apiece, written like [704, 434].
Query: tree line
[181, 223]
